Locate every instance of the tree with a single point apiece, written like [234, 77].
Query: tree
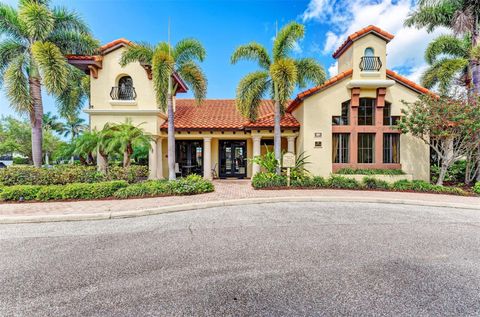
[91, 144]
[53, 123]
[278, 77]
[446, 124]
[74, 126]
[448, 58]
[35, 39]
[124, 137]
[165, 62]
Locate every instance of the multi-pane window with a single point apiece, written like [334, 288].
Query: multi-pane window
[388, 119]
[366, 111]
[366, 147]
[340, 148]
[391, 148]
[344, 118]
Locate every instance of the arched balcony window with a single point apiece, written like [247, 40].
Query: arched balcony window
[369, 62]
[124, 90]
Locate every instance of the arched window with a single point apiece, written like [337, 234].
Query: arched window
[369, 52]
[125, 88]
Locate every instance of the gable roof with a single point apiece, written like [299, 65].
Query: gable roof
[222, 114]
[332, 81]
[359, 34]
[408, 83]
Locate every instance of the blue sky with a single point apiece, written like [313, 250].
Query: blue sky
[221, 25]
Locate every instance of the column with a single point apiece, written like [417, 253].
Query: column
[159, 159]
[152, 160]
[207, 158]
[291, 144]
[256, 152]
[380, 104]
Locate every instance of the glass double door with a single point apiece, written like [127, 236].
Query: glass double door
[233, 158]
[189, 157]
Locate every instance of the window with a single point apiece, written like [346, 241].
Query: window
[366, 111]
[369, 52]
[391, 148]
[341, 148]
[344, 118]
[366, 148]
[125, 88]
[388, 119]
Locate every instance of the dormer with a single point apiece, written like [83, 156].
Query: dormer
[365, 52]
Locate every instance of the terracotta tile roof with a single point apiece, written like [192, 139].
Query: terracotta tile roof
[355, 36]
[296, 102]
[222, 114]
[409, 83]
[112, 44]
[84, 57]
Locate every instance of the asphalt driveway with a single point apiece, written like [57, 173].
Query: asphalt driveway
[321, 259]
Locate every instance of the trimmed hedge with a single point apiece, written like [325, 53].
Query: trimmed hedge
[67, 174]
[476, 188]
[358, 171]
[271, 181]
[190, 185]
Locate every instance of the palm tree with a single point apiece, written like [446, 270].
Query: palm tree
[74, 126]
[165, 62]
[462, 16]
[124, 137]
[279, 76]
[52, 122]
[94, 143]
[34, 40]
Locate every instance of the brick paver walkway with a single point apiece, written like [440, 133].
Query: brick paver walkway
[224, 190]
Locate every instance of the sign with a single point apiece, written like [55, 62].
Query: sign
[318, 134]
[288, 160]
[318, 144]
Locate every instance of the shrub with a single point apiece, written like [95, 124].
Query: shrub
[67, 174]
[373, 183]
[402, 185]
[476, 188]
[51, 192]
[190, 185]
[20, 192]
[92, 191]
[306, 181]
[336, 181]
[455, 173]
[357, 171]
[266, 180]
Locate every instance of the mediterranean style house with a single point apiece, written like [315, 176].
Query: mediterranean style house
[349, 121]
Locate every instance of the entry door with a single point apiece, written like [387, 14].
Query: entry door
[233, 158]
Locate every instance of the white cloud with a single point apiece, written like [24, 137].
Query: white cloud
[344, 17]
[333, 69]
[297, 49]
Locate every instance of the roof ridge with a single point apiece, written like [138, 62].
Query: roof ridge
[409, 83]
[360, 33]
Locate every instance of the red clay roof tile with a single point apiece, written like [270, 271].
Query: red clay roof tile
[355, 36]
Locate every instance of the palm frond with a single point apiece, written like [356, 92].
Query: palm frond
[72, 42]
[284, 76]
[446, 45]
[250, 91]
[53, 66]
[16, 85]
[69, 21]
[75, 93]
[444, 72]
[286, 39]
[195, 79]
[475, 53]
[432, 15]
[9, 50]
[141, 52]
[188, 50]
[10, 23]
[252, 51]
[309, 71]
[162, 70]
[38, 20]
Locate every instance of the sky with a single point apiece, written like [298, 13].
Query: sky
[222, 25]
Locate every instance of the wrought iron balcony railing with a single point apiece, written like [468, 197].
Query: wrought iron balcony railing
[370, 63]
[123, 93]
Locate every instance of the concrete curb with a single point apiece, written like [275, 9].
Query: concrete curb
[222, 203]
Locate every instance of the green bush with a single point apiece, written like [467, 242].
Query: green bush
[50, 192]
[373, 183]
[402, 184]
[336, 181]
[92, 191]
[358, 171]
[20, 192]
[306, 181]
[476, 188]
[67, 174]
[422, 186]
[455, 173]
[266, 180]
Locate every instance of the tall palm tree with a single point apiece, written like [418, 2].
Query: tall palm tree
[124, 137]
[462, 16]
[74, 126]
[279, 76]
[34, 40]
[166, 61]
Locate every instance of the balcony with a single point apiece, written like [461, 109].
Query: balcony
[370, 64]
[123, 93]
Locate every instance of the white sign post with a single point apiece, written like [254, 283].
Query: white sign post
[288, 162]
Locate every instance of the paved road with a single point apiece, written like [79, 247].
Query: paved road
[320, 259]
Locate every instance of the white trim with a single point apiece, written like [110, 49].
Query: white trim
[371, 83]
[127, 112]
[123, 102]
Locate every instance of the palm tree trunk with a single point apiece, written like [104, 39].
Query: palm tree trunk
[126, 159]
[102, 162]
[277, 132]
[36, 120]
[171, 133]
